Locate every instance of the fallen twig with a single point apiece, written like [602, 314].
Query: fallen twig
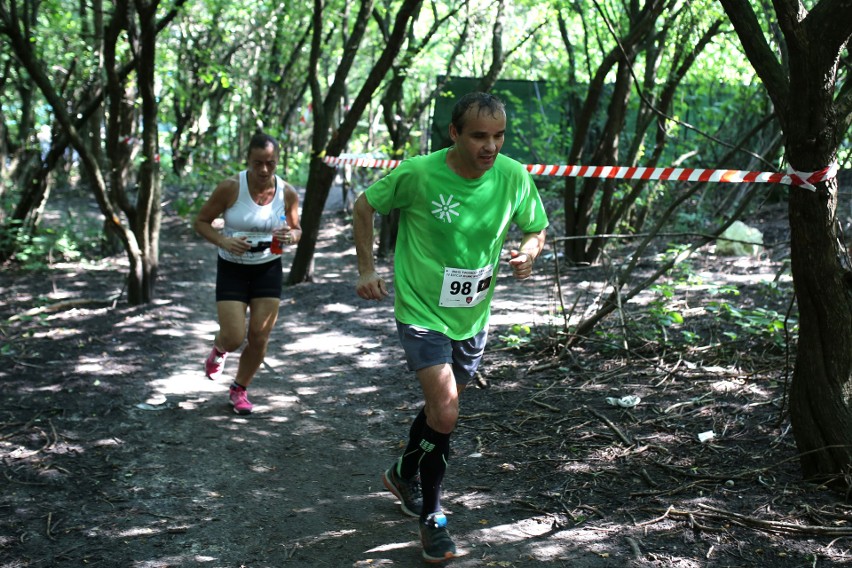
[544, 405]
[612, 426]
[522, 442]
[24, 428]
[528, 505]
[9, 477]
[778, 527]
[58, 306]
[634, 547]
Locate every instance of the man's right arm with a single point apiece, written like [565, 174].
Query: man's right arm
[370, 286]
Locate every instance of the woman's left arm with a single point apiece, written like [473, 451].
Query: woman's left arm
[291, 210]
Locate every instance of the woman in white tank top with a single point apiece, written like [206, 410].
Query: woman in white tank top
[261, 214]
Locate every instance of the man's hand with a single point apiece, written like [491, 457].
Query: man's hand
[521, 263]
[371, 287]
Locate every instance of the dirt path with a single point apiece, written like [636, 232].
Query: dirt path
[130, 457]
[117, 452]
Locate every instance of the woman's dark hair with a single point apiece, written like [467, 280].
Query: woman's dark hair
[261, 140]
[484, 102]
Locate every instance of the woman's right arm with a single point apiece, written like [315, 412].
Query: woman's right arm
[222, 198]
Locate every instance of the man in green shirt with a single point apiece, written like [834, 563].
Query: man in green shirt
[456, 206]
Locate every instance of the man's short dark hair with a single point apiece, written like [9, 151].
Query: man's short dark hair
[484, 102]
[261, 140]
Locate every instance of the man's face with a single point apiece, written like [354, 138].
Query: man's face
[479, 142]
[262, 163]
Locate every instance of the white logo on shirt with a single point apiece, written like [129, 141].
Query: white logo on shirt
[445, 209]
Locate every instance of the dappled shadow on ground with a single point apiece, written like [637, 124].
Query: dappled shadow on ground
[117, 451]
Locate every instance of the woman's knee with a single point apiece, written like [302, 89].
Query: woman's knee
[229, 342]
[259, 338]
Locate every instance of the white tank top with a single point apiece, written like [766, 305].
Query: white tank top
[255, 222]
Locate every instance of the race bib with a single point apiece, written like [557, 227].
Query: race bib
[464, 288]
[257, 241]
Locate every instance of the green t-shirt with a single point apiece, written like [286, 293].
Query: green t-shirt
[451, 234]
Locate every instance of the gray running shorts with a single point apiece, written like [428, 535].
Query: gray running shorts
[426, 348]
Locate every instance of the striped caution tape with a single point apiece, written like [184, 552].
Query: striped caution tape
[361, 162]
[807, 179]
[791, 177]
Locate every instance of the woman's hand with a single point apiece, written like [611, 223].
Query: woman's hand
[234, 245]
[288, 236]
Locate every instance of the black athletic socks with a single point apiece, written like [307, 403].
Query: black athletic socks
[428, 452]
[433, 464]
[409, 463]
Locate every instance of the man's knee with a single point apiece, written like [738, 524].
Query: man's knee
[443, 418]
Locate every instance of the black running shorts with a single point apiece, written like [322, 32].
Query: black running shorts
[244, 282]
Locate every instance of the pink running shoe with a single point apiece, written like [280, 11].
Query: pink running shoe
[240, 401]
[215, 364]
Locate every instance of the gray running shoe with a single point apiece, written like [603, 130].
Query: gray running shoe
[437, 543]
[408, 492]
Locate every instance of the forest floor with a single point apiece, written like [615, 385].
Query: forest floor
[118, 452]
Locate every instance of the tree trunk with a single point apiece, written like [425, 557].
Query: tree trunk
[820, 400]
[401, 119]
[821, 390]
[4, 131]
[146, 225]
[579, 195]
[34, 194]
[810, 116]
[321, 176]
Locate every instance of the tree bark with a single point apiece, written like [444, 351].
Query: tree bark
[803, 91]
[321, 176]
[146, 225]
[579, 197]
[399, 120]
[140, 238]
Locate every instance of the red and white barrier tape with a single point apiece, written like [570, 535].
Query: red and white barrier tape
[806, 179]
[792, 177]
[361, 162]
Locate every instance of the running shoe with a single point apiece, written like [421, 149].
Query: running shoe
[408, 492]
[437, 543]
[240, 401]
[215, 364]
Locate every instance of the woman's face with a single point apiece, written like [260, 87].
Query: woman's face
[262, 163]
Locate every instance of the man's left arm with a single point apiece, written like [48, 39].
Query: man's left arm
[522, 259]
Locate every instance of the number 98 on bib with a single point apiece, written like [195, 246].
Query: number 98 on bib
[465, 288]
